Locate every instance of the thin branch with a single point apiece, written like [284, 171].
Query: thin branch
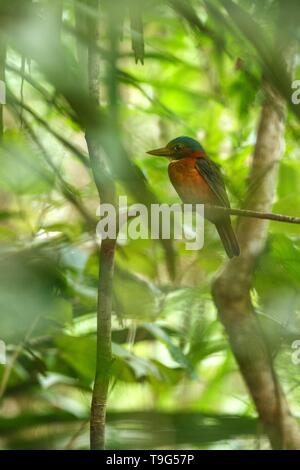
[255, 214]
[71, 444]
[106, 189]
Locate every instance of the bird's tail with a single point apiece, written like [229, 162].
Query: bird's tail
[228, 238]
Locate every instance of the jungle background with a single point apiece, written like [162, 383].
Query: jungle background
[218, 71]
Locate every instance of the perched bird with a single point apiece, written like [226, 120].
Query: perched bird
[197, 179]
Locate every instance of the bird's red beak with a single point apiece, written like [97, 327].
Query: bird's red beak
[162, 152]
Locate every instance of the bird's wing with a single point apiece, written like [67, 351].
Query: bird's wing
[211, 172]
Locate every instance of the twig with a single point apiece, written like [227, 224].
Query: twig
[255, 214]
[72, 441]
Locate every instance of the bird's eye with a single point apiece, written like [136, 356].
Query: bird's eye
[177, 148]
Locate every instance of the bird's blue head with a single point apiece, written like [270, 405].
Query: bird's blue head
[179, 148]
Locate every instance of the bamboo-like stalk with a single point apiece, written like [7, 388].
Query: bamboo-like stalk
[106, 190]
[104, 352]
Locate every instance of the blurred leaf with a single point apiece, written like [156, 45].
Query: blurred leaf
[174, 350]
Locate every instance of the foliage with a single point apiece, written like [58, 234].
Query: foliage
[175, 383]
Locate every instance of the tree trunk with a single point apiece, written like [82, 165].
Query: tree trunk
[231, 289]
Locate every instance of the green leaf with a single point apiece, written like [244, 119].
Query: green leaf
[174, 350]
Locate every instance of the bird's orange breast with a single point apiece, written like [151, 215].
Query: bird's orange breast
[188, 182]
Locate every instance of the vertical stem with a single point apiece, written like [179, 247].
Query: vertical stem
[104, 353]
[106, 190]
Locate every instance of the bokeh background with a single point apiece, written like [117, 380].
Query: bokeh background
[174, 382]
